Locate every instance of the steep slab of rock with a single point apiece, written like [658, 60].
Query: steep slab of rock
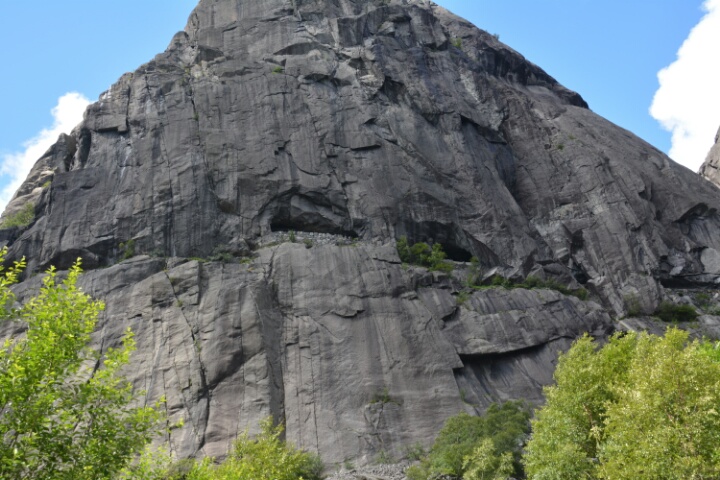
[710, 169]
[374, 119]
[358, 354]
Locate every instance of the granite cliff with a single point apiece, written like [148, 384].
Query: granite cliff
[347, 124]
[710, 169]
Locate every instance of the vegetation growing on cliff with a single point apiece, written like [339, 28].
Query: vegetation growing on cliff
[424, 255]
[21, 218]
[669, 312]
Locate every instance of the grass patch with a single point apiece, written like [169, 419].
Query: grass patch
[383, 397]
[384, 458]
[22, 218]
[462, 297]
[532, 283]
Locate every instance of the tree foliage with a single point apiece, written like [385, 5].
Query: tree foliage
[264, 457]
[64, 408]
[485, 464]
[641, 407]
[470, 447]
[424, 255]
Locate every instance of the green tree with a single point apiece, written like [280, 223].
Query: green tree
[64, 408]
[265, 457]
[484, 445]
[641, 407]
[485, 464]
[423, 254]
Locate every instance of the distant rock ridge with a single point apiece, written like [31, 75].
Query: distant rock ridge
[349, 124]
[710, 169]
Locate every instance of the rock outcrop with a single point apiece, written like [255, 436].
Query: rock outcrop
[710, 169]
[363, 120]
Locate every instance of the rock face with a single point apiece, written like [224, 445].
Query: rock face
[358, 121]
[711, 168]
[355, 352]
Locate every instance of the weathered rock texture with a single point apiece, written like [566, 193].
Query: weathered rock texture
[711, 168]
[369, 119]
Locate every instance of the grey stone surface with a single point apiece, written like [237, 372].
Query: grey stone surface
[356, 353]
[710, 169]
[372, 119]
[710, 259]
[352, 123]
[376, 472]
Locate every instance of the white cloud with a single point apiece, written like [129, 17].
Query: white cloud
[14, 167]
[688, 100]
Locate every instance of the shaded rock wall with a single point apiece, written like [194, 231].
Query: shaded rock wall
[710, 169]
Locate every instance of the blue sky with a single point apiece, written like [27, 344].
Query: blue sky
[610, 52]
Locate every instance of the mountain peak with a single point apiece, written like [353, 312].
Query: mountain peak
[238, 200]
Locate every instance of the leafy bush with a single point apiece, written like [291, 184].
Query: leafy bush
[632, 303]
[415, 452]
[424, 255]
[384, 458]
[498, 281]
[499, 434]
[462, 297]
[22, 218]
[224, 257]
[127, 249]
[475, 273]
[641, 407]
[265, 457]
[669, 312]
[383, 396]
